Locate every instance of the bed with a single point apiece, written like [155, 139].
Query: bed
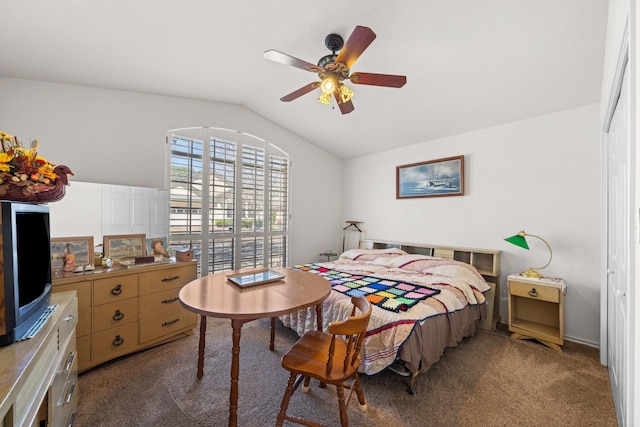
[425, 298]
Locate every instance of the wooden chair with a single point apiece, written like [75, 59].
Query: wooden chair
[331, 358]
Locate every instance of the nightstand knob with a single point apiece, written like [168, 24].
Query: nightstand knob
[533, 292]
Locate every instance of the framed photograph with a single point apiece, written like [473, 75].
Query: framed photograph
[157, 246]
[124, 246]
[80, 247]
[434, 178]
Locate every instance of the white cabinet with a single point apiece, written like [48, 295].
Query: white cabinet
[39, 375]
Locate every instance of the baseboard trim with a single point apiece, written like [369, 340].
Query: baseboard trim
[572, 339]
[583, 342]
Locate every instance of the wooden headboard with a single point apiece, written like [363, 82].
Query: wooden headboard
[486, 261]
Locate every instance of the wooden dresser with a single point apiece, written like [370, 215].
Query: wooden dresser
[38, 376]
[122, 310]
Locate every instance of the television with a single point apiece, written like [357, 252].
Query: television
[25, 268]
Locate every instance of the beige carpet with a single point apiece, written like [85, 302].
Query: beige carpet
[487, 380]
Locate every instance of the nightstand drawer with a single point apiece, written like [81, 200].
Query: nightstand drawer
[539, 292]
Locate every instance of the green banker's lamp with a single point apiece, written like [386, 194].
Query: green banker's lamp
[520, 240]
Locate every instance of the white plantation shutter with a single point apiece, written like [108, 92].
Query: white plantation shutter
[229, 198]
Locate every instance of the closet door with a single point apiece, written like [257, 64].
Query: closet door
[619, 243]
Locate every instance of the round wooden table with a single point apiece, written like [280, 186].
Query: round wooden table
[214, 295]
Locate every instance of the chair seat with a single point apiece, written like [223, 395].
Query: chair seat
[308, 357]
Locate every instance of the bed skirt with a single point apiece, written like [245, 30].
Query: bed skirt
[429, 339]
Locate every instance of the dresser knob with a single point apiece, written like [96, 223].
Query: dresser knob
[118, 341]
[118, 315]
[533, 292]
[117, 290]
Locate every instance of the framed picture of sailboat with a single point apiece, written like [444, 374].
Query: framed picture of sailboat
[434, 178]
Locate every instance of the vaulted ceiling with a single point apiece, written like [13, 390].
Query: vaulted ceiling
[469, 64]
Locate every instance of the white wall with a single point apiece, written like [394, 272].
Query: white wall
[541, 175]
[118, 137]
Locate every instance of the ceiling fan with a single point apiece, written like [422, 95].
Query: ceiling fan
[334, 69]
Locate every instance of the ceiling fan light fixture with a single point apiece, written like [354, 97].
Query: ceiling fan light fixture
[328, 85]
[345, 93]
[325, 98]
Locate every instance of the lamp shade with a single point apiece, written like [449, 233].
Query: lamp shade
[518, 240]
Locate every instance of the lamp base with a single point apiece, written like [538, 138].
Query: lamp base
[531, 273]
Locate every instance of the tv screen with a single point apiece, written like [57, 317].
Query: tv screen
[25, 271]
[33, 255]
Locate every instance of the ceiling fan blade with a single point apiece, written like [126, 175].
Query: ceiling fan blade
[283, 58]
[358, 41]
[345, 107]
[388, 80]
[302, 91]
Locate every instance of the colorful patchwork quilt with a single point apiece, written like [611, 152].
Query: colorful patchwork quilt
[409, 289]
[389, 294]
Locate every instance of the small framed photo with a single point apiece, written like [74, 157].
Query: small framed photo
[434, 178]
[157, 246]
[81, 249]
[124, 246]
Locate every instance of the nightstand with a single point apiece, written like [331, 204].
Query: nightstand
[536, 309]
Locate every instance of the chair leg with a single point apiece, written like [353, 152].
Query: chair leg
[305, 385]
[358, 387]
[285, 400]
[344, 421]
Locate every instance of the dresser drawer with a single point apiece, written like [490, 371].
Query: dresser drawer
[160, 302]
[68, 321]
[166, 323]
[114, 314]
[115, 341]
[161, 280]
[538, 292]
[83, 292]
[63, 394]
[115, 289]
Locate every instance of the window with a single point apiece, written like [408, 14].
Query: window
[229, 199]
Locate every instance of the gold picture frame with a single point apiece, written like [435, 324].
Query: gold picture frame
[124, 246]
[81, 247]
[433, 178]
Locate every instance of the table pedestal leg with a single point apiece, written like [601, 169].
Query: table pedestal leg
[203, 331]
[236, 325]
